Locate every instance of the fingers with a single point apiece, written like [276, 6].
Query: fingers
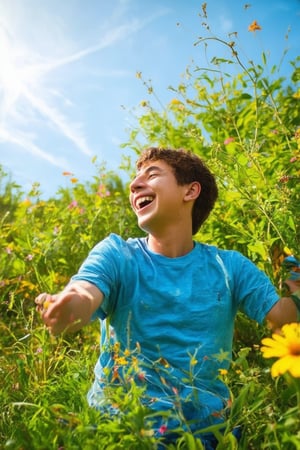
[55, 311]
[43, 302]
[293, 285]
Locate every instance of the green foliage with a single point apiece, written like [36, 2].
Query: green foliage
[246, 127]
[44, 242]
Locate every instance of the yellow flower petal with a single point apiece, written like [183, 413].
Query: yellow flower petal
[286, 347]
[280, 366]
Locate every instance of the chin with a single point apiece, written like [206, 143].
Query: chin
[144, 225]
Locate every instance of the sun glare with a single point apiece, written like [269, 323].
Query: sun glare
[13, 74]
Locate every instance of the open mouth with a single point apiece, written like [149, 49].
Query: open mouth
[143, 201]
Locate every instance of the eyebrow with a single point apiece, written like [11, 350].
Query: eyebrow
[151, 168]
[148, 170]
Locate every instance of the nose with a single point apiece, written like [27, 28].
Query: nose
[136, 184]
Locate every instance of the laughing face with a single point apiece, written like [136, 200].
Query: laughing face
[156, 197]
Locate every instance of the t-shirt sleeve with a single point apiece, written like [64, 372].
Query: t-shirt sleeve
[102, 268]
[253, 290]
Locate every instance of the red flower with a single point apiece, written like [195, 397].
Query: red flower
[163, 429]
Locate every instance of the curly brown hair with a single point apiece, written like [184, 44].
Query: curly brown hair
[187, 167]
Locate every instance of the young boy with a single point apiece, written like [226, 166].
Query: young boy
[170, 301]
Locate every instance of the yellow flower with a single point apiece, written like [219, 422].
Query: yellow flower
[116, 347]
[121, 360]
[175, 101]
[286, 347]
[26, 202]
[223, 372]
[297, 95]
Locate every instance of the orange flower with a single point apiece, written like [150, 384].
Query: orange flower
[254, 26]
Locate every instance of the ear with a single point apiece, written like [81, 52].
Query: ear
[193, 191]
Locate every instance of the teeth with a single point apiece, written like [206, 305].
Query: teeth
[142, 200]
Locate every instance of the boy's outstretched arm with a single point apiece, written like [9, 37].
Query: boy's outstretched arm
[71, 309]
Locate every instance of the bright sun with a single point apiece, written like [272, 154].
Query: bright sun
[14, 74]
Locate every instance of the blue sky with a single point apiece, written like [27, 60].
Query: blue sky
[68, 72]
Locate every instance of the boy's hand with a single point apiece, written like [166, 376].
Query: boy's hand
[70, 309]
[293, 285]
[56, 311]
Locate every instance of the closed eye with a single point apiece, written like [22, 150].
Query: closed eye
[152, 175]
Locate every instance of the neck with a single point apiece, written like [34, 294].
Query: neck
[172, 246]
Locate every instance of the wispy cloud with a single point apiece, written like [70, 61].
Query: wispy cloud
[25, 141]
[23, 75]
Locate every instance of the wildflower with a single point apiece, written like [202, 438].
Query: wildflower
[73, 204]
[29, 257]
[296, 95]
[141, 376]
[146, 433]
[286, 347]
[223, 372]
[229, 140]
[193, 361]
[121, 360]
[116, 347]
[134, 362]
[73, 180]
[254, 26]
[163, 429]
[293, 159]
[284, 179]
[26, 202]
[115, 375]
[144, 103]
[102, 191]
[138, 75]
[67, 174]
[287, 251]
[175, 101]
[164, 362]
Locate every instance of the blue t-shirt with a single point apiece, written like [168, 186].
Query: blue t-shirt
[171, 323]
